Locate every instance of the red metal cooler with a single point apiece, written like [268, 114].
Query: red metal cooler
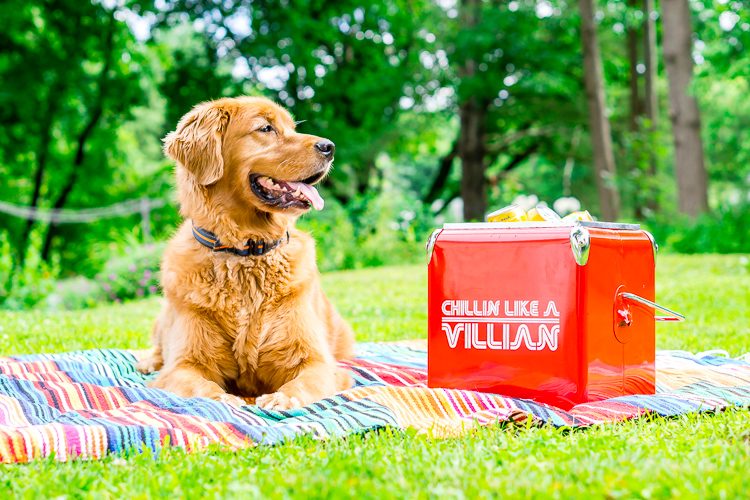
[559, 313]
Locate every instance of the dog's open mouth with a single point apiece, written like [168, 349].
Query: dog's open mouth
[287, 194]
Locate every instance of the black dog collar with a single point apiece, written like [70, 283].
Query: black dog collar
[252, 247]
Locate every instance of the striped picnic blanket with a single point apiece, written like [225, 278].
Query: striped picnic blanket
[90, 403]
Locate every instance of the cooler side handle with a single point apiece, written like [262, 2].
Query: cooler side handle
[673, 315]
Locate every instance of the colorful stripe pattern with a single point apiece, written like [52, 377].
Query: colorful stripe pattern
[90, 403]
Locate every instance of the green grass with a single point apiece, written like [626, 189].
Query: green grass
[691, 456]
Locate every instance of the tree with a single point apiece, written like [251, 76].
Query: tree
[642, 159]
[692, 182]
[650, 56]
[471, 143]
[633, 34]
[604, 162]
[340, 67]
[515, 101]
[61, 113]
[650, 98]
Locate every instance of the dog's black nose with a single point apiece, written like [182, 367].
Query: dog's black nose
[325, 147]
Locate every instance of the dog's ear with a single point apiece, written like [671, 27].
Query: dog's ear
[196, 143]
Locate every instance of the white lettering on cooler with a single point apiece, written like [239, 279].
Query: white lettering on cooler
[521, 326]
[471, 308]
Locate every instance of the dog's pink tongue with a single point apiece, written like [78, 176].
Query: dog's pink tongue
[308, 192]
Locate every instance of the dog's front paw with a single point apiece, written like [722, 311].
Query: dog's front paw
[150, 363]
[231, 400]
[278, 401]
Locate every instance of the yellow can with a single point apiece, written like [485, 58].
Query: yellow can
[543, 214]
[582, 215]
[511, 213]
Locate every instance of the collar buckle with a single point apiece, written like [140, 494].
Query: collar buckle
[257, 248]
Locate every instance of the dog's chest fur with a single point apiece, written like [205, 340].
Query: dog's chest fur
[240, 287]
[240, 294]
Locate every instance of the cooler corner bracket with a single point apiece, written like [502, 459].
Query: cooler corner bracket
[654, 245]
[430, 245]
[580, 244]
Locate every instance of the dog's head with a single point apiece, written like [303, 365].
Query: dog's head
[241, 158]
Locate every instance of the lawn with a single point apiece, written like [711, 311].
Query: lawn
[692, 456]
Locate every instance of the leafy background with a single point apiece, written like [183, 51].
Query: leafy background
[87, 90]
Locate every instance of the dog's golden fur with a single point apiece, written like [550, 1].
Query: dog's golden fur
[233, 326]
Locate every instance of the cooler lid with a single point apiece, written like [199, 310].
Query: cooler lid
[519, 225]
[580, 239]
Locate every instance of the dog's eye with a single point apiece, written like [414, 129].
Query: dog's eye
[266, 128]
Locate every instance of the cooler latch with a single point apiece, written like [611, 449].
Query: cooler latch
[580, 243]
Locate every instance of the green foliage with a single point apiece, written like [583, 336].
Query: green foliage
[132, 274]
[726, 115]
[192, 73]
[88, 89]
[23, 286]
[722, 231]
[72, 75]
[74, 293]
[372, 231]
[6, 266]
[304, 55]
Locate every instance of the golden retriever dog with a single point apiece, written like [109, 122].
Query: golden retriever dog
[245, 315]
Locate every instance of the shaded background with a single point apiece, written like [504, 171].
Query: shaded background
[441, 110]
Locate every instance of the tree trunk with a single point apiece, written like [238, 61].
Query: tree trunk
[78, 160]
[650, 99]
[514, 162]
[636, 108]
[636, 103]
[41, 167]
[471, 147]
[42, 155]
[601, 138]
[363, 176]
[443, 172]
[692, 182]
[472, 151]
[59, 203]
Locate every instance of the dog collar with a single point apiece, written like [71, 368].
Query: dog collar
[252, 247]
